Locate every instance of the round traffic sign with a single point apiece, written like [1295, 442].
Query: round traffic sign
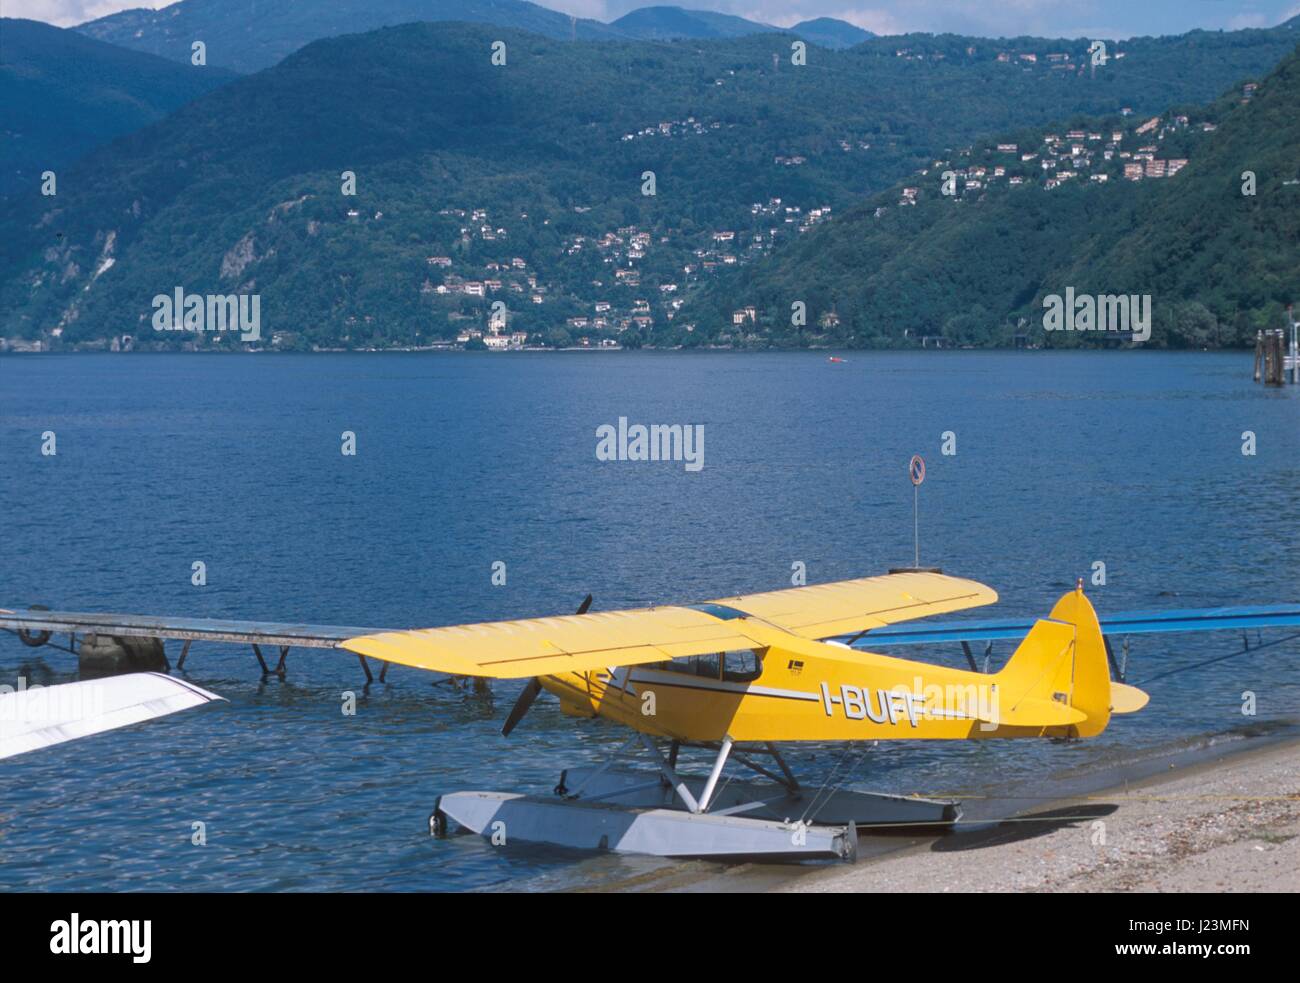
[916, 469]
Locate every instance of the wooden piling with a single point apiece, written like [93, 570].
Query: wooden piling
[1274, 351]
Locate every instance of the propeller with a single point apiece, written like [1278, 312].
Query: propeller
[532, 689]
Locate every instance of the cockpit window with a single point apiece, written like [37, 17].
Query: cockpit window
[742, 666]
[738, 666]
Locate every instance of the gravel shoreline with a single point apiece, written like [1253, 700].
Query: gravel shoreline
[1229, 825]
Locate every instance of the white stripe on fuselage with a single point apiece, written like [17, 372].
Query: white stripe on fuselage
[619, 678]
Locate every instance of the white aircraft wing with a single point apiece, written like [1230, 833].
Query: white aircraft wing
[43, 716]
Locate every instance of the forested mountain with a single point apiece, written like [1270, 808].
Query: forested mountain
[667, 23]
[672, 23]
[1162, 211]
[831, 33]
[249, 35]
[524, 183]
[61, 94]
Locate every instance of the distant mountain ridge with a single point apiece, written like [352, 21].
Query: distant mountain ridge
[674, 23]
[478, 183]
[62, 94]
[831, 33]
[670, 23]
[249, 35]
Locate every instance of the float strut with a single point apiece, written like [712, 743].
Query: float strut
[718, 765]
[785, 768]
[670, 774]
[366, 666]
[970, 657]
[185, 650]
[284, 654]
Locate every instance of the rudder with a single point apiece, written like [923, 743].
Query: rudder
[1063, 660]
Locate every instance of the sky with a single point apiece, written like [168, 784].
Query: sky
[985, 18]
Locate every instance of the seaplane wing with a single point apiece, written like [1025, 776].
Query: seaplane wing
[567, 643]
[583, 642]
[848, 606]
[41, 716]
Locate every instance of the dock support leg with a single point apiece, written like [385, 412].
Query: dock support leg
[257, 651]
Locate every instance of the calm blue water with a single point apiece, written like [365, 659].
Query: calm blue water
[1062, 459]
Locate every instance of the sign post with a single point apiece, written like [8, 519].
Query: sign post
[916, 472]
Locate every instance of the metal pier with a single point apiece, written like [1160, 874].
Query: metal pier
[37, 627]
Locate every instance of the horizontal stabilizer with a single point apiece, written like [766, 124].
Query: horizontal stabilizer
[1031, 712]
[1126, 699]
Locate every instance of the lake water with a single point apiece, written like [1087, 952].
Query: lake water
[1132, 459]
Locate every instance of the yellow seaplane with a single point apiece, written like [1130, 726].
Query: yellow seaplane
[741, 676]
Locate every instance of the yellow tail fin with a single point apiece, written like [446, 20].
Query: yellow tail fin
[1062, 662]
